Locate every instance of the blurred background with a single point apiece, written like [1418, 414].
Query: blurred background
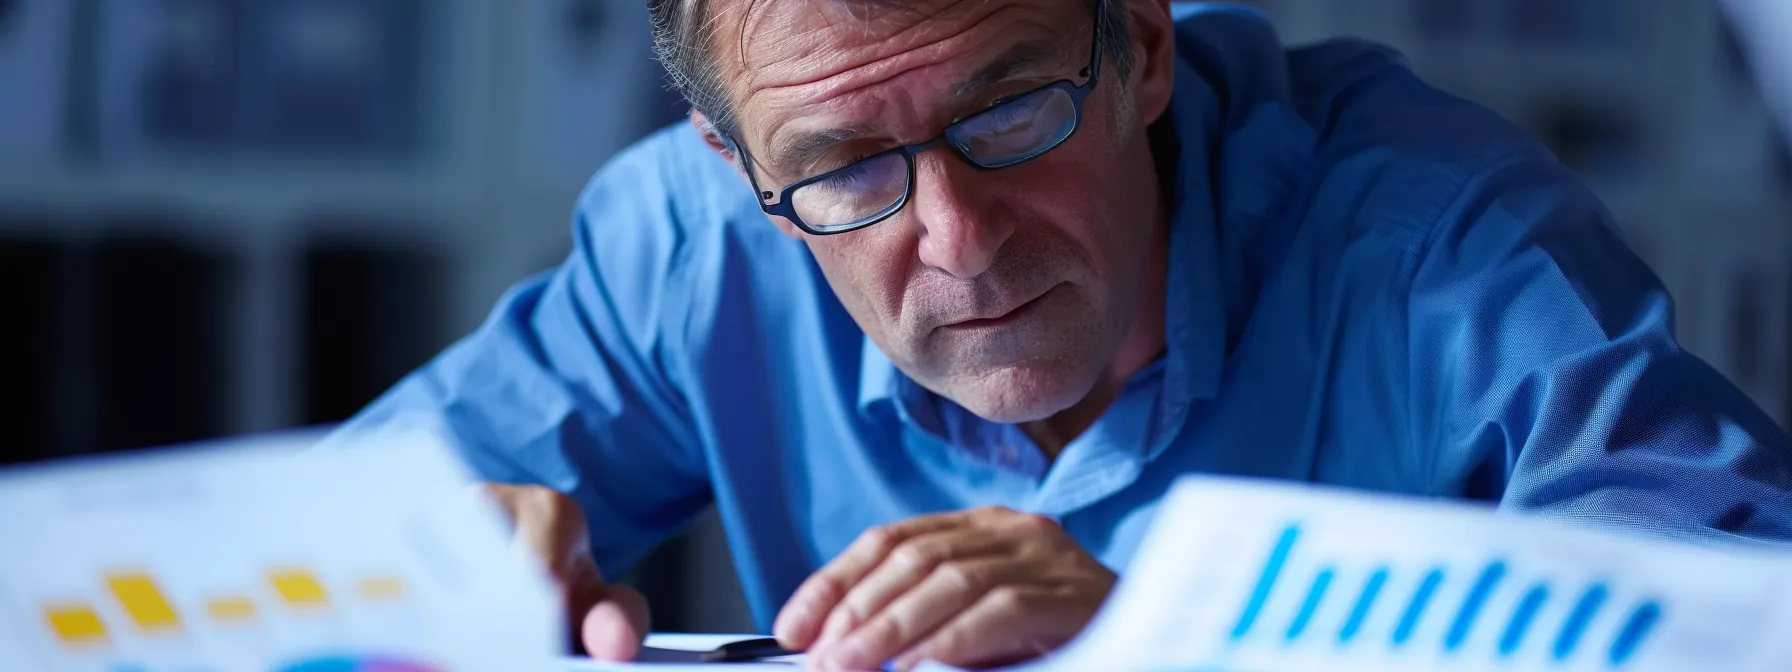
[230, 216]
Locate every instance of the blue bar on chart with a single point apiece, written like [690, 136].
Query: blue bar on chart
[1471, 605]
[1315, 595]
[1506, 635]
[1364, 602]
[1415, 610]
[1266, 583]
[1513, 638]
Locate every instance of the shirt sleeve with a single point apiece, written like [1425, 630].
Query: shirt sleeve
[1547, 375]
[567, 384]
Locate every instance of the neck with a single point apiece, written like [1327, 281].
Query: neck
[1143, 343]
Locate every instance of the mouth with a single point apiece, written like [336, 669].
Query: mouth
[1013, 315]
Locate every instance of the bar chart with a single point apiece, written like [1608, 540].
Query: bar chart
[1245, 575]
[265, 560]
[147, 607]
[1515, 633]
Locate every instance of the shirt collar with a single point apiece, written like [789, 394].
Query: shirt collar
[1195, 306]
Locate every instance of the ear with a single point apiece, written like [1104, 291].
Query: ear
[725, 148]
[1154, 49]
[713, 138]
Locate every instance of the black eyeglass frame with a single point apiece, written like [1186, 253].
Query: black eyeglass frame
[786, 208]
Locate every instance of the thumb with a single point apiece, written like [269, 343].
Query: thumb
[609, 621]
[614, 626]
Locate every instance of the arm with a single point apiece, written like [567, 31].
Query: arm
[1546, 374]
[566, 385]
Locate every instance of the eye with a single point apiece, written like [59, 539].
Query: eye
[824, 165]
[993, 104]
[852, 174]
[1006, 115]
[1004, 100]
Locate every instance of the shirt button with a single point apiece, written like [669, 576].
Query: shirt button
[1008, 454]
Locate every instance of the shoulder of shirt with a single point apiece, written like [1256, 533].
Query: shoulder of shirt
[1398, 151]
[668, 194]
[1412, 152]
[680, 245]
[673, 173]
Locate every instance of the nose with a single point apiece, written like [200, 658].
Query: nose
[961, 232]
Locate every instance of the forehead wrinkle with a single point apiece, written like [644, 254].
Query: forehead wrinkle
[809, 146]
[863, 101]
[835, 13]
[875, 67]
[1018, 59]
[843, 89]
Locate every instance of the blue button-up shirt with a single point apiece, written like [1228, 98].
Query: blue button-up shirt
[1372, 284]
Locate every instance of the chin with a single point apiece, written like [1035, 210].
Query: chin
[1024, 392]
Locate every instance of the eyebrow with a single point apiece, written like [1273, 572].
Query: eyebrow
[805, 148]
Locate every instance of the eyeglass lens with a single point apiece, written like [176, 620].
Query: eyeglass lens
[1001, 136]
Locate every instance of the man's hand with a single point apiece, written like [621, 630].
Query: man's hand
[971, 588]
[611, 621]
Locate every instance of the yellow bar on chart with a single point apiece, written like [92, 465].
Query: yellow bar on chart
[299, 588]
[75, 624]
[382, 588]
[230, 609]
[143, 600]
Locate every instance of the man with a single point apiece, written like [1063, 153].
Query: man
[935, 299]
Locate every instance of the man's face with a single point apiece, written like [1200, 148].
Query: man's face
[1008, 291]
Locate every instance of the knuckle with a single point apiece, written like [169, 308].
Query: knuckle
[1034, 522]
[827, 587]
[880, 538]
[902, 629]
[844, 618]
[852, 615]
[1007, 600]
[915, 556]
[957, 576]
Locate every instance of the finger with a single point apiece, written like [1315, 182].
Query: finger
[1010, 622]
[606, 622]
[913, 616]
[906, 566]
[614, 627]
[799, 622]
[546, 525]
[609, 622]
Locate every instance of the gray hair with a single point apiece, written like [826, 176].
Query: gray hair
[682, 45]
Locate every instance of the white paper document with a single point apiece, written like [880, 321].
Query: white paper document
[265, 558]
[1248, 576]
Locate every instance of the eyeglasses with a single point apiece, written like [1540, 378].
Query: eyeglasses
[1012, 131]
